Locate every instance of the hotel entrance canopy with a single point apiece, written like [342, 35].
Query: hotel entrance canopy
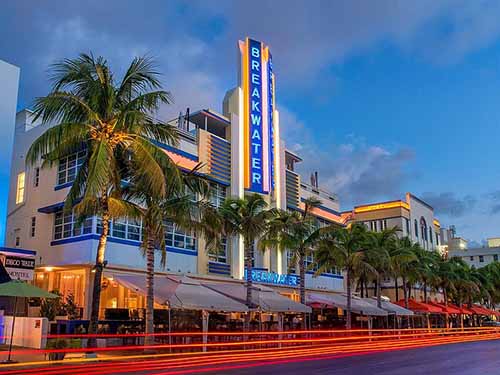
[391, 308]
[264, 297]
[358, 305]
[182, 292]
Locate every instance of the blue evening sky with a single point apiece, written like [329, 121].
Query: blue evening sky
[379, 97]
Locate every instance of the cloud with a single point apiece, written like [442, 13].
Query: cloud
[493, 204]
[447, 203]
[357, 171]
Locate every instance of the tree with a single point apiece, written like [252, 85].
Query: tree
[298, 233]
[247, 217]
[380, 245]
[401, 257]
[426, 268]
[345, 249]
[114, 123]
[178, 206]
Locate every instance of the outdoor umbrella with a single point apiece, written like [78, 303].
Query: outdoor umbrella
[18, 288]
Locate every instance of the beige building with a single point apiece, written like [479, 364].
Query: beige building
[413, 218]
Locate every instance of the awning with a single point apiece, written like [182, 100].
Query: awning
[358, 305]
[390, 307]
[480, 310]
[264, 297]
[421, 307]
[446, 309]
[182, 292]
[462, 310]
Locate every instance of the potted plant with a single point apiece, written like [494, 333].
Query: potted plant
[57, 344]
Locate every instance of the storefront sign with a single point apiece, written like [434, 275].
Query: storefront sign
[262, 276]
[19, 268]
[258, 87]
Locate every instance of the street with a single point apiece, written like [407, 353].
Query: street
[456, 359]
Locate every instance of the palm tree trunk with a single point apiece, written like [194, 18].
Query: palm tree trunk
[405, 292]
[248, 266]
[425, 290]
[98, 268]
[379, 292]
[150, 273]
[249, 282]
[396, 288]
[348, 310]
[302, 284]
[447, 317]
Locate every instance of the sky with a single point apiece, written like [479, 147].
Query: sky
[380, 97]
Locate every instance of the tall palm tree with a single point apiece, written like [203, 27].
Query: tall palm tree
[345, 249]
[247, 217]
[298, 233]
[380, 245]
[114, 122]
[426, 268]
[178, 206]
[401, 257]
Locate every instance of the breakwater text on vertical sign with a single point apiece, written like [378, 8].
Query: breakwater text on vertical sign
[259, 104]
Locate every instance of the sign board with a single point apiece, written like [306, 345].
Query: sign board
[19, 268]
[258, 84]
[263, 276]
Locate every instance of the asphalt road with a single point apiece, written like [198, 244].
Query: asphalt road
[481, 358]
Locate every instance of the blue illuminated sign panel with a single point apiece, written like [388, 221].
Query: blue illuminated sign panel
[262, 276]
[255, 112]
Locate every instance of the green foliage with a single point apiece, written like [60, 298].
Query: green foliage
[51, 307]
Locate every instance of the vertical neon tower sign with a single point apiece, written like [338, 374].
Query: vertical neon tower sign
[258, 84]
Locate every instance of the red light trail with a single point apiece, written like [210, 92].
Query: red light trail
[292, 350]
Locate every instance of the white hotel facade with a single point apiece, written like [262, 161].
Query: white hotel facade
[240, 153]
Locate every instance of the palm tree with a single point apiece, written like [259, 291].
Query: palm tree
[114, 123]
[247, 217]
[345, 249]
[426, 268]
[298, 233]
[401, 257]
[177, 206]
[380, 245]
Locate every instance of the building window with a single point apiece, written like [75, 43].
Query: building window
[21, 177]
[176, 237]
[289, 260]
[130, 229]
[68, 167]
[472, 258]
[430, 234]
[423, 229]
[18, 241]
[36, 177]
[220, 254]
[437, 239]
[416, 228]
[481, 258]
[217, 194]
[373, 226]
[33, 226]
[407, 222]
[66, 225]
[495, 257]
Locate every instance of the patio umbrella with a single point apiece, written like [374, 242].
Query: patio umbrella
[18, 288]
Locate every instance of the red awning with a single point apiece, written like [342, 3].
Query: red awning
[446, 309]
[421, 307]
[463, 309]
[480, 310]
